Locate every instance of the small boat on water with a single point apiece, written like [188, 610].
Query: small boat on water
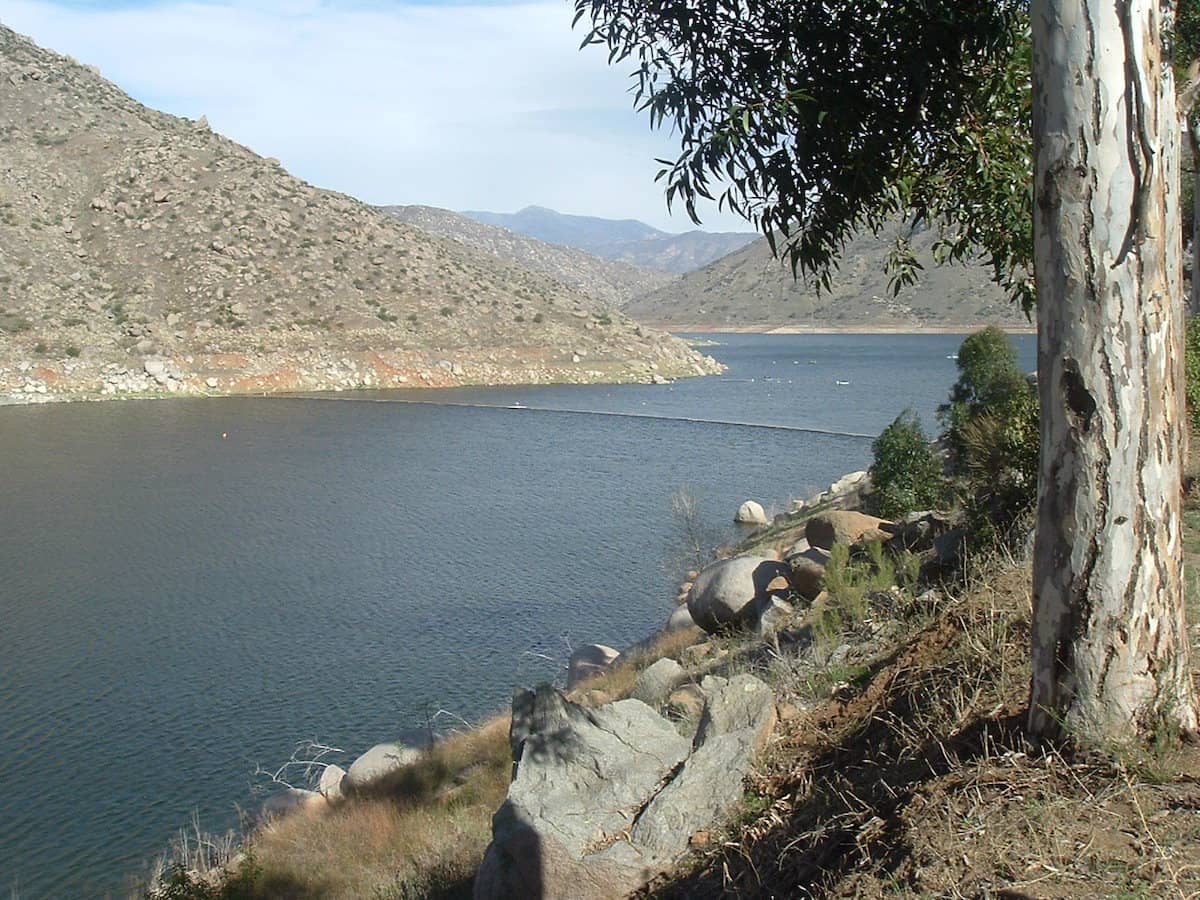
[841, 382]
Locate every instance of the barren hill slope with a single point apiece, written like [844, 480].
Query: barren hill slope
[751, 289]
[616, 283]
[140, 252]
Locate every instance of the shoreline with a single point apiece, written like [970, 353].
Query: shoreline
[363, 373]
[768, 328]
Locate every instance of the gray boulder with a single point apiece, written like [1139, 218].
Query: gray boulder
[751, 513]
[580, 777]
[725, 587]
[600, 803]
[589, 660]
[738, 718]
[656, 682]
[380, 760]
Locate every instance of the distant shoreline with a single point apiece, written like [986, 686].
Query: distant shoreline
[767, 328]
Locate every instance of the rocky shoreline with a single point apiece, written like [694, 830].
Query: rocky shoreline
[25, 381]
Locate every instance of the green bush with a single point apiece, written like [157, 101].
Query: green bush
[989, 382]
[1192, 369]
[999, 461]
[906, 473]
[993, 436]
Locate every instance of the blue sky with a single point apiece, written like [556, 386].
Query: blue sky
[464, 105]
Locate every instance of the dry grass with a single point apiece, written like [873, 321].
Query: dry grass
[420, 832]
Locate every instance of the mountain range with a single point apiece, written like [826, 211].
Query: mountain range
[625, 240]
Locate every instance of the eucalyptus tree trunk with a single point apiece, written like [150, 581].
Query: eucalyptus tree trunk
[1110, 652]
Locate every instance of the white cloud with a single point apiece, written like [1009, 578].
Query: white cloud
[483, 107]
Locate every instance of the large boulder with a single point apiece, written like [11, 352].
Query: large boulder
[589, 660]
[724, 588]
[581, 775]
[604, 800]
[751, 513]
[380, 760]
[738, 718]
[842, 526]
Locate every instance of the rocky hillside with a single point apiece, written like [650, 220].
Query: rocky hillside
[140, 252]
[626, 240]
[751, 289]
[616, 283]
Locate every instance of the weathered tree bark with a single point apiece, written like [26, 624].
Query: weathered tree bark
[1110, 650]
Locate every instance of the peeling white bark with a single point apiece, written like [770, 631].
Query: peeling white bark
[1110, 652]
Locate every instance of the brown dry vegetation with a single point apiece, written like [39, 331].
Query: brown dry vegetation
[915, 780]
[419, 833]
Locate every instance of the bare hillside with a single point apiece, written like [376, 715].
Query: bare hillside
[140, 252]
[616, 283]
[751, 289]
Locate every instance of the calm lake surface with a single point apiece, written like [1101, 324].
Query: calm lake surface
[190, 587]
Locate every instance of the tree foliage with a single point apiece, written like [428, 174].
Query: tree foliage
[816, 118]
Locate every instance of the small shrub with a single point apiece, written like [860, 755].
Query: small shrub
[998, 457]
[849, 585]
[989, 381]
[73, 351]
[40, 348]
[906, 472]
[1192, 370]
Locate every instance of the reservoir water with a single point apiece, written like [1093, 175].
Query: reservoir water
[190, 587]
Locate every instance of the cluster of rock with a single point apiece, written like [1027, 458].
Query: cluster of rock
[604, 799]
[130, 236]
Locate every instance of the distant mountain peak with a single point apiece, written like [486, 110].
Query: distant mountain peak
[625, 240]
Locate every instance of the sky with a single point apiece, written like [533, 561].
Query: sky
[463, 105]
